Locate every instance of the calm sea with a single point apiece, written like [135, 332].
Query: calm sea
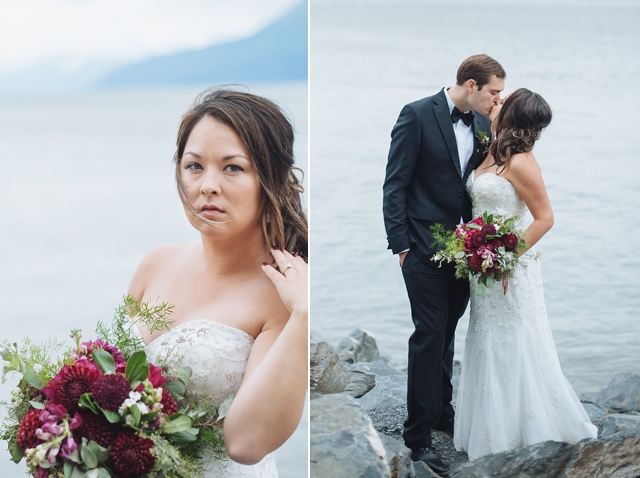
[86, 190]
[371, 58]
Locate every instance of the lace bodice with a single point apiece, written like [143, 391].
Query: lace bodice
[217, 355]
[494, 194]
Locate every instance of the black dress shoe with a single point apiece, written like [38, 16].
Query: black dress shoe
[445, 426]
[430, 457]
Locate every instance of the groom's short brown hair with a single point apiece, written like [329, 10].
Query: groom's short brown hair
[479, 68]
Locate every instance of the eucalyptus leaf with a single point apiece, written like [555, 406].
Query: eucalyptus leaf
[32, 378]
[16, 452]
[184, 437]
[68, 469]
[223, 409]
[489, 283]
[37, 405]
[135, 412]
[5, 353]
[101, 453]
[5, 370]
[176, 389]
[77, 472]
[178, 423]
[459, 255]
[183, 374]
[112, 417]
[88, 457]
[104, 360]
[480, 289]
[139, 373]
[137, 358]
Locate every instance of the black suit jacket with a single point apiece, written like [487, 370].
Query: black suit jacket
[423, 184]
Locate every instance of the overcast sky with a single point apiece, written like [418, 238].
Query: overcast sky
[72, 32]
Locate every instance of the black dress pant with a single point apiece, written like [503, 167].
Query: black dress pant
[437, 300]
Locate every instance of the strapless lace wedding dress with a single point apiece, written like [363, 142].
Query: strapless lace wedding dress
[217, 355]
[512, 391]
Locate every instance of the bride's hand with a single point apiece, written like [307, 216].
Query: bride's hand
[291, 282]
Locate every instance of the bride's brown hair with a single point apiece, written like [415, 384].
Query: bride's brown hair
[518, 126]
[267, 135]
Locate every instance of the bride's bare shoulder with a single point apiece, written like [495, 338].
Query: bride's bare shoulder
[157, 261]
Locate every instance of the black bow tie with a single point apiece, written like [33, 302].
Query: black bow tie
[456, 115]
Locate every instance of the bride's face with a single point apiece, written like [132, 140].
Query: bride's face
[485, 99]
[220, 180]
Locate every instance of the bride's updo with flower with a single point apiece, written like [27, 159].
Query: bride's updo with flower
[267, 135]
[518, 126]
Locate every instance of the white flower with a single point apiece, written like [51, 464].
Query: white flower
[143, 408]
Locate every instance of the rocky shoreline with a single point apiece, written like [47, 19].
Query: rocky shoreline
[358, 406]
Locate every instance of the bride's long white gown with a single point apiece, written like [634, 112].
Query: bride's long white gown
[512, 391]
[217, 355]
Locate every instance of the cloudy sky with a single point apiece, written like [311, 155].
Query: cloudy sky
[71, 33]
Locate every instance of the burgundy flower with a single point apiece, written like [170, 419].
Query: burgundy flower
[110, 391]
[169, 405]
[131, 455]
[97, 428]
[475, 263]
[26, 436]
[489, 229]
[71, 383]
[100, 344]
[478, 239]
[53, 413]
[510, 241]
[69, 445]
[496, 242]
[155, 376]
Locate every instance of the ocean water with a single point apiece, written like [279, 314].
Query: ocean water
[370, 58]
[86, 190]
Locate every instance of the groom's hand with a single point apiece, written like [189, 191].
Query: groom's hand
[401, 257]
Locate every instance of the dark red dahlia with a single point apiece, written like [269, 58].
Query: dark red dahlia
[169, 405]
[110, 391]
[97, 428]
[478, 239]
[131, 455]
[30, 422]
[510, 241]
[475, 263]
[489, 229]
[496, 242]
[71, 383]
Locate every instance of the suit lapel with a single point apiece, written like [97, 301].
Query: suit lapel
[441, 110]
[476, 155]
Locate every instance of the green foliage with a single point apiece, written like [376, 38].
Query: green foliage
[173, 464]
[121, 333]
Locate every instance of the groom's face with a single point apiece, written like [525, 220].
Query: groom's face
[483, 100]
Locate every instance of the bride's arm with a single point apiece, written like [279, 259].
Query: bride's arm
[525, 175]
[268, 406]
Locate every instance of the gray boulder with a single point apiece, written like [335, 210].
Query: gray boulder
[380, 368]
[343, 441]
[596, 412]
[622, 393]
[328, 375]
[616, 423]
[386, 404]
[359, 346]
[398, 457]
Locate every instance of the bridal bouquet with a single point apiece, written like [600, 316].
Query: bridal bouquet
[486, 247]
[102, 410]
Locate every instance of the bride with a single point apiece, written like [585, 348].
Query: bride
[512, 391]
[240, 292]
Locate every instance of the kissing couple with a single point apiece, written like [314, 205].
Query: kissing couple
[454, 156]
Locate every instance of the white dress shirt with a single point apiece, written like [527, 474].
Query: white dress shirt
[464, 137]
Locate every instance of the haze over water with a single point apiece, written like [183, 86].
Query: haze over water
[369, 59]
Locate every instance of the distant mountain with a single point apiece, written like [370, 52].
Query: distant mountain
[276, 53]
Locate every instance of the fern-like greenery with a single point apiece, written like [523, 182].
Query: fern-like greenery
[121, 333]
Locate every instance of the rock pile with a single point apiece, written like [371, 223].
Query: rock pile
[358, 407]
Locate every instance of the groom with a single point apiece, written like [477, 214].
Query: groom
[434, 148]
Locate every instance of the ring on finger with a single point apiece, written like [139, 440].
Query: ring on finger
[289, 266]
